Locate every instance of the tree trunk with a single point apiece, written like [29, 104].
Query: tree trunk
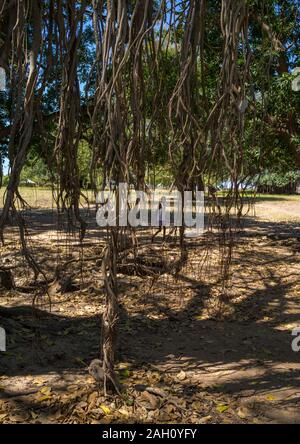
[110, 315]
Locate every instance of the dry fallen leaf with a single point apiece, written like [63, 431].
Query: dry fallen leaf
[45, 390]
[105, 409]
[72, 388]
[124, 411]
[44, 398]
[181, 376]
[93, 397]
[149, 401]
[205, 419]
[244, 412]
[3, 416]
[221, 408]
[17, 418]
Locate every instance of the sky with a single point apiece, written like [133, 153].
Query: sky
[5, 167]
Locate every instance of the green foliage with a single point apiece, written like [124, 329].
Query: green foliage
[273, 111]
[36, 170]
[280, 180]
[84, 162]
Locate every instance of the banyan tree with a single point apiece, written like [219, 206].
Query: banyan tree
[176, 81]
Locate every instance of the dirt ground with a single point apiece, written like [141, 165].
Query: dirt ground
[187, 352]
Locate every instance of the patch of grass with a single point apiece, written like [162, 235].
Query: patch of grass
[40, 197]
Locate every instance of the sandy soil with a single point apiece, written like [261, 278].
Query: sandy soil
[187, 350]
